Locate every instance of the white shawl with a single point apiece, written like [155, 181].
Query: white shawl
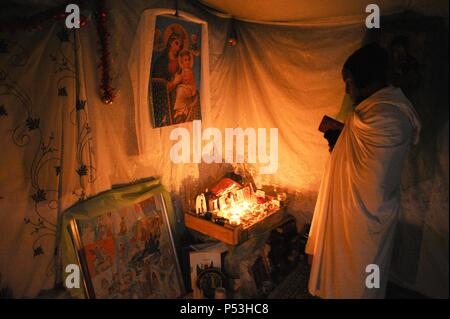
[359, 198]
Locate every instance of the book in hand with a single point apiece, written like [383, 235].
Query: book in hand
[329, 123]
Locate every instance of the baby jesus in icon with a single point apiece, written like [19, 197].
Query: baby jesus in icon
[186, 91]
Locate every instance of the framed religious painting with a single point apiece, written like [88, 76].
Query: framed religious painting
[174, 86]
[127, 251]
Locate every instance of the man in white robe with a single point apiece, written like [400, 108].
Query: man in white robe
[358, 204]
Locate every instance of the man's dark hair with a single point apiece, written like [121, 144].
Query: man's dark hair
[367, 65]
[401, 41]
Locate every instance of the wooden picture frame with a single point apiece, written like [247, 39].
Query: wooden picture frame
[128, 252]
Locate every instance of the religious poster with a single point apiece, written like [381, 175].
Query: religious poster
[207, 258]
[174, 86]
[129, 253]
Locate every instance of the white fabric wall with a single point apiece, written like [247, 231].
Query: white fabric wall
[47, 155]
[277, 76]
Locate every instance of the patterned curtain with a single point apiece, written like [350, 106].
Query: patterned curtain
[46, 157]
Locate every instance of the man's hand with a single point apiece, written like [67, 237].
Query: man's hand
[332, 137]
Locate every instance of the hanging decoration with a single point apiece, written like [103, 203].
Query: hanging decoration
[107, 92]
[232, 35]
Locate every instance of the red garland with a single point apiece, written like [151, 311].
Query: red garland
[107, 92]
[39, 20]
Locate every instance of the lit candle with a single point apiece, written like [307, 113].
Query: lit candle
[235, 220]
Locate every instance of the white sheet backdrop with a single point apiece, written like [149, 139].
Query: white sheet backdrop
[277, 76]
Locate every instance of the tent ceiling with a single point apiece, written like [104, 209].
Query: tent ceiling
[298, 10]
[273, 10]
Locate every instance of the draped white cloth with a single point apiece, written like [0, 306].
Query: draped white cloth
[248, 86]
[48, 160]
[139, 69]
[359, 199]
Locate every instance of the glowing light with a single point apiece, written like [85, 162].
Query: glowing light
[247, 213]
